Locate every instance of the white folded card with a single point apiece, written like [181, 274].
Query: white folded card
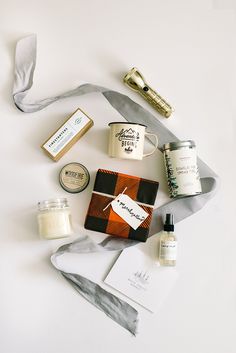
[138, 275]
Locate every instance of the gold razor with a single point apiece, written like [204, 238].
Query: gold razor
[136, 81]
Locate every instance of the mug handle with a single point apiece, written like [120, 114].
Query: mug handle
[156, 144]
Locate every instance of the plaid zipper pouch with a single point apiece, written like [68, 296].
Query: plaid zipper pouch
[107, 186]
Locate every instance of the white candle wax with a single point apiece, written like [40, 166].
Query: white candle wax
[54, 224]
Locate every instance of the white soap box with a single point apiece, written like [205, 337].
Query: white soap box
[67, 135]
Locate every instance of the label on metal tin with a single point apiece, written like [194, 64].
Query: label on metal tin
[182, 172]
[74, 177]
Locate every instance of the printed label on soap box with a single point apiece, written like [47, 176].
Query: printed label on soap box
[129, 210]
[66, 133]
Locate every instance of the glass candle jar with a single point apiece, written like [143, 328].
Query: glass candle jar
[54, 218]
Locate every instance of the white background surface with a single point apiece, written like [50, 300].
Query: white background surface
[187, 51]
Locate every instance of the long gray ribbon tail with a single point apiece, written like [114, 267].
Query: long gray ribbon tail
[117, 309]
[25, 61]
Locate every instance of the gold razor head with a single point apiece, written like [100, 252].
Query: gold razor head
[134, 79]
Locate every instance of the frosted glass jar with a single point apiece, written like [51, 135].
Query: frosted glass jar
[54, 218]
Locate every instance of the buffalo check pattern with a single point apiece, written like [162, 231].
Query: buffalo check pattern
[109, 184]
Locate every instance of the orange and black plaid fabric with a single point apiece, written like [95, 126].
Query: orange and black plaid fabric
[112, 183]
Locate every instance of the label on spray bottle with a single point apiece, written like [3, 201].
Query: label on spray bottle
[168, 249]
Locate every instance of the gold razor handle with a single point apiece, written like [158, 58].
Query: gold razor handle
[136, 81]
[156, 101]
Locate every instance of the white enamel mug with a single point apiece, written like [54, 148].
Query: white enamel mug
[126, 140]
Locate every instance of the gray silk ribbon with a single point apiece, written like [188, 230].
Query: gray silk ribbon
[117, 309]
